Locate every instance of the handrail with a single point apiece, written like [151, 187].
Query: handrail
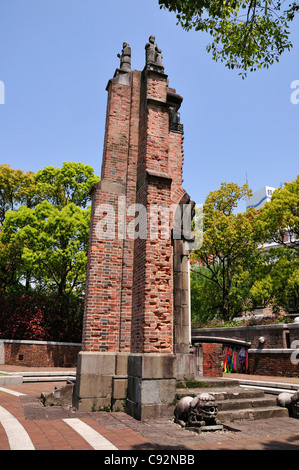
[219, 339]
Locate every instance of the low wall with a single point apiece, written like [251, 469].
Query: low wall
[278, 336]
[270, 347]
[212, 359]
[277, 362]
[274, 362]
[38, 353]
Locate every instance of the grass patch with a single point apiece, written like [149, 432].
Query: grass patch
[191, 384]
[197, 384]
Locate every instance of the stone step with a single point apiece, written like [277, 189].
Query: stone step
[252, 414]
[245, 403]
[204, 382]
[232, 393]
[239, 403]
[274, 388]
[44, 373]
[37, 376]
[46, 378]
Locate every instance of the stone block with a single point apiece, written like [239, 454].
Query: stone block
[92, 385]
[151, 384]
[122, 364]
[151, 365]
[147, 412]
[157, 391]
[134, 389]
[186, 366]
[96, 363]
[181, 335]
[120, 387]
[93, 404]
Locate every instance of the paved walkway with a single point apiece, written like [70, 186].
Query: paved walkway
[263, 378]
[26, 425]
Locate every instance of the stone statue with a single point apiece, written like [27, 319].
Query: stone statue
[153, 54]
[125, 58]
[294, 406]
[284, 399]
[199, 411]
[150, 50]
[291, 402]
[158, 57]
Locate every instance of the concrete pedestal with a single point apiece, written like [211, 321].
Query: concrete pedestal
[143, 385]
[101, 382]
[151, 385]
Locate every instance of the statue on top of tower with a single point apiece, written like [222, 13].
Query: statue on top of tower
[153, 55]
[125, 58]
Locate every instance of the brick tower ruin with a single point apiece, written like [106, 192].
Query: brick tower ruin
[136, 331]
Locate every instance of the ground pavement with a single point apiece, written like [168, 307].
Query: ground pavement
[27, 425]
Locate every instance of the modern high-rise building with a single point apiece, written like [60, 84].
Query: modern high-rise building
[260, 197]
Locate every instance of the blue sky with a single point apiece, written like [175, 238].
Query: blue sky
[56, 58]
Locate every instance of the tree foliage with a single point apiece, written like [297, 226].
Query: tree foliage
[54, 243]
[278, 220]
[247, 260]
[44, 233]
[246, 34]
[276, 281]
[16, 188]
[228, 249]
[69, 184]
[277, 228]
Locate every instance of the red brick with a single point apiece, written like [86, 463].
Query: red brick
[129, 291]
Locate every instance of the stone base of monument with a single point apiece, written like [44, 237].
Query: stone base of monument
[101, 382]
[186, 366]
[143, 385]
[151, 385]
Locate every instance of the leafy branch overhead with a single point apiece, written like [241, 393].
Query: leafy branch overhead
[246, 34]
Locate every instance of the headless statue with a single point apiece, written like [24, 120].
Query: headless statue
[125, 58]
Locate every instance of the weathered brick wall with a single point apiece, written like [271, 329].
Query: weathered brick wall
[40, 354]
[212, 359]
[275, 336]
[273, 363]
[152, 291]
[107, 316]
[159, 173]
[129, 292]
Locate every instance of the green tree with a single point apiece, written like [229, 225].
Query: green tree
[43, 250]
[10, 262]
[43, 240]
[276, 281]
[277, 228]
[54, 243]
[205, 296]
[228, 251]
[278, 220]
[16, 188]
[69, 184]
[246, 34]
